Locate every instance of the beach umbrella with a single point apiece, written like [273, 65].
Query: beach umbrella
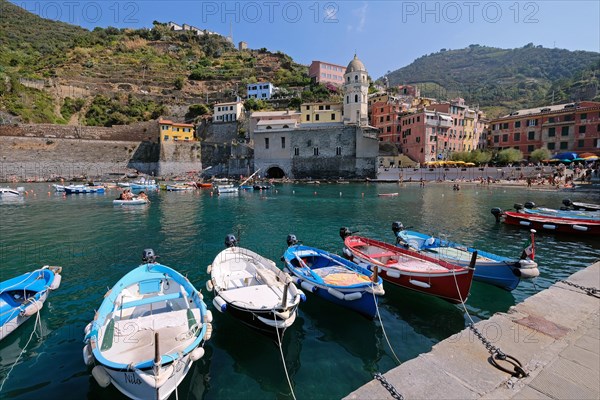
[586, 155]
[565, 156]
[591, 158]
[470, 164]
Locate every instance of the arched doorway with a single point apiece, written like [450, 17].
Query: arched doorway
[275, 173]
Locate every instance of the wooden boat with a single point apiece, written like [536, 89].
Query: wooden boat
[490, 268]
[148, 331]
[548, 224]
[252, 289]
[333, 278]
[577, 205]
[179, 187]
[23, 296]
[530, 208]
[412, 270]
[83, 189]
[205, 185]
[387, 194]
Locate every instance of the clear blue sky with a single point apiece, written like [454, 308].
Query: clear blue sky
[386, 35]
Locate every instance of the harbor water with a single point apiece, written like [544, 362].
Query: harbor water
[328, 351]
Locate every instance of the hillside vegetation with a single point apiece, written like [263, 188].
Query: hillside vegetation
[499, 80]
[48, 67]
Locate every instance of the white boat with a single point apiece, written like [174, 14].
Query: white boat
[10, 193]
[23, 296]
[252, 289]
[148, 331]
[136, 201]
[226, 189]
[180, 187]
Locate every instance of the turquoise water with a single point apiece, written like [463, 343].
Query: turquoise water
[328, 351]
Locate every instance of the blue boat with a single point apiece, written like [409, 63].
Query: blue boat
[148, 331]
[83, 189]
[333, 278]
[23, 296]
[490, 268]
[531, 208]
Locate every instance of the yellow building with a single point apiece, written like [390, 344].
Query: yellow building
[321, 113]
[174, 131]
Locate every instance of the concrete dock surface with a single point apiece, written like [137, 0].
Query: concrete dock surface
[555, 334]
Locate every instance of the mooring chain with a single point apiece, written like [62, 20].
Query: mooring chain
[390, 388]
[589, 290]
[497, 354]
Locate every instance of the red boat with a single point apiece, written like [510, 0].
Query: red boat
[412, 270]
[588, 227]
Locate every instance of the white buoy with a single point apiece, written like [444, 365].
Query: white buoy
[209, 285]
[197, 354]
[220, 304]
[101, 376]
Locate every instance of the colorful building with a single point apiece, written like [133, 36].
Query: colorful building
[227, 112]
[386, 117]
[558, 128]
[324, 72]
[321, 113]
[356, 91]
[468, 125]
[173, 131]
[425, 135]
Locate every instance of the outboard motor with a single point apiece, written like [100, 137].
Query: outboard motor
[230, 241]
[291, 240]
[345, 232]
[148, 256]
[518, 206]
[397, 227]
[567, 202]
[497, 212]
[529, 205]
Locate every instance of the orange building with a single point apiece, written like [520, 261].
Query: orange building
[175, 131]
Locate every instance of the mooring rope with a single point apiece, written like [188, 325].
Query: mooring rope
[287, 376]
[37, 323]
[381, 322]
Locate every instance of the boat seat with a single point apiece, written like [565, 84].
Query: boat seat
[384, 254]
[150, 300]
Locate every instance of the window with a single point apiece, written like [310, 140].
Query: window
[266, 143]
[564, 145]
[532, 122]
[328, 107]
[530, 148]
[418, 119]
[315, 151]
[564, 131]
[504, 125]
[268, 127]
[583, 116]
[517, 124]
[333, 116]
[581, 143]
[551, 120]
[551, 146]
[307, 108]
[338, 151]
[356, 98]
[517, 136]
[321, 108]
[582, 129]
[347, 99]
[166, 137]
[308, 117]
[496, 139]
[551, 132]
[531, 135]
[316, 117]
[505, 137]
[387, 118]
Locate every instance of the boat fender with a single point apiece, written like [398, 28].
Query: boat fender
[220, 304]
[209, 285]
[209, 269]
[420, 283]
[87, 355]
[529, 273]
[302, 296]
[352, 296]
[32, 308]
[527, 263]
[208, 332]
[580, 228]
[393, 274]
[309, 287]
[208, 317]
[297, 281]
[87, 329]
[524, 223]
[101, 376]
[56, 282]
[197, 354]
[293, 290]
[548, 226]
[282, 314]
[336, 293]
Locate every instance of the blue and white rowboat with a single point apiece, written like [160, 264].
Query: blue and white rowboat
[148, 331]
[333, 278]
[23, 296]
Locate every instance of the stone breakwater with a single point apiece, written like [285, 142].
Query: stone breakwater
[44, 152]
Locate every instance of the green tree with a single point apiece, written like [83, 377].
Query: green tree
[539, 155]
[509, 156]
[195, 111]
[179, 82]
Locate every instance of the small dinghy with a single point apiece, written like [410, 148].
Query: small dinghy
[136, 201]
[148, 331]
[10, 193]
[252, 289]
[23, 296]
[334, 278]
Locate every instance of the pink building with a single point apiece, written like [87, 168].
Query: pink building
[424, 135]
[323, 72]
[468, 125]
[386, 117]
